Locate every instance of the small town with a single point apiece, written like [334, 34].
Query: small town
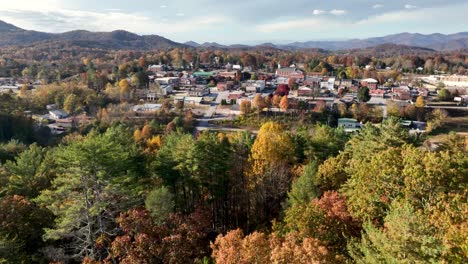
[246, 132]
[225, 93]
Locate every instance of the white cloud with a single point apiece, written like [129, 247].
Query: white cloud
[313, 24]
[180, 14]
[30, 5]
[67, 20]
[318, 12]
[377, 6]
[338, 12]
[408, 6]
[163, 6]
[415, 19]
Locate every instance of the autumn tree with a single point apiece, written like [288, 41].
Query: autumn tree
[245, 107]
[269, 178]
[420, 103]
[259, 102]
[276, 100]
[284, 104]
[124, 89]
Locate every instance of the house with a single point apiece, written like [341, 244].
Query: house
[349, 124]
[188, 81]
[58, 114]
[377, 93]
[174, 81]
[199, 91]
[50, 107]
[328, 83]
[225, 86]
[344, 82]
[233, 97]
[423, 92]
[203, 74]
[56, 130]
[232, 74]
[304, 91]
[313, 81]
[190, 100]
[166, 89]
[369, 83]
[402, 93]
[221, 86]
[9, 88]
[157, 68]
[290, 72]
[282, 80]
[237, 67]
[255, 86]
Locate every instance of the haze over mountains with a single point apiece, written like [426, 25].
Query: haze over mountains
[11, 35]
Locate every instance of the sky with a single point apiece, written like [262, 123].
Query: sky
[242, 21]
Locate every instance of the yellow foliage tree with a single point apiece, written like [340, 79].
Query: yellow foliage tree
[124, 88]
[273, 147]
[24, 91]
[420, 103]
[137, 135]
[153, 144]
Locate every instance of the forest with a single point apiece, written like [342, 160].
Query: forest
[298, 190]
[117, 191]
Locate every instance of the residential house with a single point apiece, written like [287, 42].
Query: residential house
[174, 81]
[305, 91]
[234, 96]
[232, 74]
[290, 72]
[349, 124]
[157, 68]
[199, 91]
[423, 92]
[313, 81]
[370, 83]
[190, 100]
[203, 74]
[58, 114]
[402, 93]
[328, 83]
[377, 93]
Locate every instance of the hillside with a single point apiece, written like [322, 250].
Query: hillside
[119, 39]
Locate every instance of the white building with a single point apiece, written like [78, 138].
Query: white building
[255, 86]
[328, 84]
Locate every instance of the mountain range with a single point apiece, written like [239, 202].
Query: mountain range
[436, 41]
[11, 35]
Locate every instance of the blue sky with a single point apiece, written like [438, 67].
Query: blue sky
[242, 21]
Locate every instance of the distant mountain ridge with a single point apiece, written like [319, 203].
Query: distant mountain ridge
[10, 35]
